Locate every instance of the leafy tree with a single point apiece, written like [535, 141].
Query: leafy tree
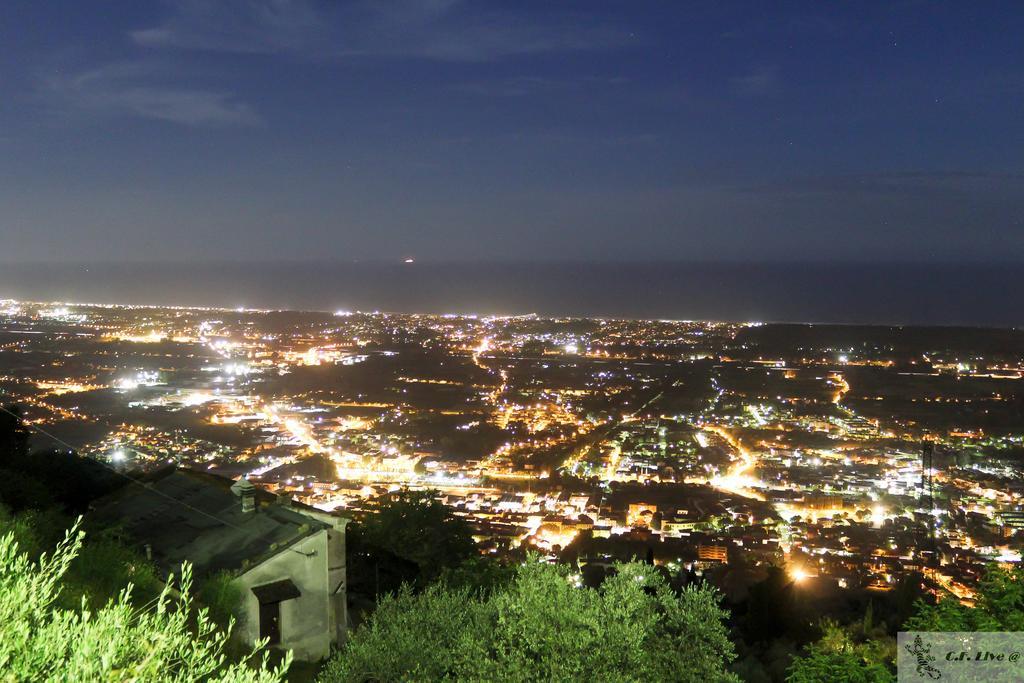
[40, 641]
[417, 527]
[631, 628]
[409, 537]
[479, 574]
[543, 626]
[222, 596]
[772, 610]
[838, 657]
[908, 591]
[862, 653]
[14, 436]
[99, 571]
[72, 481]
[999, 606]
[19, 491]
[439, 634]
[49, 478]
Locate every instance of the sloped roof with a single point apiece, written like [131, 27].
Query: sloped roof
[185, 515]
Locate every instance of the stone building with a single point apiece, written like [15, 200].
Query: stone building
[287, 559]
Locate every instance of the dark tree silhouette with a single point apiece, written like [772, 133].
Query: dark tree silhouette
[14, 435]
[46, 479]
[409, 537]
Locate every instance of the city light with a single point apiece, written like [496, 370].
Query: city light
[545, 438]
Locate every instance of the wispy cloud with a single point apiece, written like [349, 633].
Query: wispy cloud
[449, 30]
[256, 26]
[140, 89]
[759, 81]
[518, 86]
[932, 185]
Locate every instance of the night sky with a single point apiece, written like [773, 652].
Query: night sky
[256, 130]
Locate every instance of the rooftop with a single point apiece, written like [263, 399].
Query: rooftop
[186, 515]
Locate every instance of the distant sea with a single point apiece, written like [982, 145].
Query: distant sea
[918, 294]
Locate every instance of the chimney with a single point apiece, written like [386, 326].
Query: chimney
[246, 492]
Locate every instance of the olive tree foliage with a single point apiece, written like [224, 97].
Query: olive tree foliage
[840, 656]
[169, 641]
[999, 606]
[543, 626]
[438, 634]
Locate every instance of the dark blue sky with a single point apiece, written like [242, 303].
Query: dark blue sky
[445, 130]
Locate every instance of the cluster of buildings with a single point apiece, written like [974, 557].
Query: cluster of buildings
[695, 443]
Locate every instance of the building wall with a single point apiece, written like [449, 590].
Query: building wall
[337, 578]
[337, 582]
[306, 622]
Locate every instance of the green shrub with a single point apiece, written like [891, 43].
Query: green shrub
[542, 626]
[41, 641]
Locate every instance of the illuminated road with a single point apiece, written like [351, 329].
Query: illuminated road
[571, 463]
[962, 592]
[738, 479]
[842, 387]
